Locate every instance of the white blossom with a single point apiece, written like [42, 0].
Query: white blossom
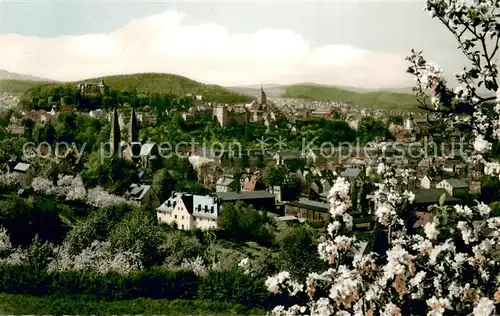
[430, 230]
[484, 307]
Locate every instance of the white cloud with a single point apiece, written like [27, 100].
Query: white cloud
[205, 52]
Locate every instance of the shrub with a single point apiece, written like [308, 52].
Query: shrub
[233, 287]
[152, 283]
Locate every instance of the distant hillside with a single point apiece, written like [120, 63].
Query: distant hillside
[19, 86]
[6, 75]
[141, 83]
[272, 91]
[19, 83]
[168, 83]
[373, 99]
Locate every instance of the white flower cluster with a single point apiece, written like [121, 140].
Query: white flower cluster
[245, 265]
[198, 266]
[9, 178]
[418, 267]
[72, 188]
[281, 281]
[5, 244]
[473, 23]
[98, 257]
[453, 265]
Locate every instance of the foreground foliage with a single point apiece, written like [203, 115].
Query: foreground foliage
[80, 305]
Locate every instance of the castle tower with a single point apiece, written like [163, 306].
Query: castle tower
[102, 86]
[115, 137]
[263, 97]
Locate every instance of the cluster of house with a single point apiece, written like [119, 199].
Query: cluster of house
[310, 203]
[316, 172]
[260, 111]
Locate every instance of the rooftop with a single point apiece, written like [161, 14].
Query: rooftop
[351, 173]
[233, 196]
[432, 196]
[456, 183]
[138, 192]
[310, 204]
[21, 167]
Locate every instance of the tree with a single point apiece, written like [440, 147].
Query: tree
[298, 250]
[369, 129]
[29, 125]
[164, 183]
[397, 120]
[137, 233]
[274, 176]
[243, 222]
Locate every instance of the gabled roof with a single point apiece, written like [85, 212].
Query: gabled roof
[224, 181]
[204, 206]
[250, 185]
[137, 192]
[432, 196]
[351, 173]
[22, 167]
[455, 183]
[290, 154]
[312, 205]
[433, 179]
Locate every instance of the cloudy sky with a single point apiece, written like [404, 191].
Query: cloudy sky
[352, 43]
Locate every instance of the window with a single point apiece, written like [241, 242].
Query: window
[182, 226]
[175, 216]
[182, 217]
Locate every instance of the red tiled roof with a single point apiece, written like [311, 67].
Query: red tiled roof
[250, 186]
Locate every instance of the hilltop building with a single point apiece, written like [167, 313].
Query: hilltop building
[96, 88]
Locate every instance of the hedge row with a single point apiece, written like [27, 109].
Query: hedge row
[231, 286]
[152, 283]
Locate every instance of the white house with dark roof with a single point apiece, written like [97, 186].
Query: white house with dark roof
[429, 182]
[189, 211]
[454, 187]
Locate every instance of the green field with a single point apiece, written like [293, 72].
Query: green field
[377, 99]
[76, 305]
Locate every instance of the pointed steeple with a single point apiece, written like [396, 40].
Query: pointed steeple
[115, 137]
[133, 127]
[263, 97]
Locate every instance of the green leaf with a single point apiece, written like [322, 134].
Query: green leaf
[442, 199]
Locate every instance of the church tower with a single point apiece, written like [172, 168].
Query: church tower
[115, 138]
[133, 127]
[263, 97]
[134, 145]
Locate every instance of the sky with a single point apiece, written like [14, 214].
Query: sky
[350, 43]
